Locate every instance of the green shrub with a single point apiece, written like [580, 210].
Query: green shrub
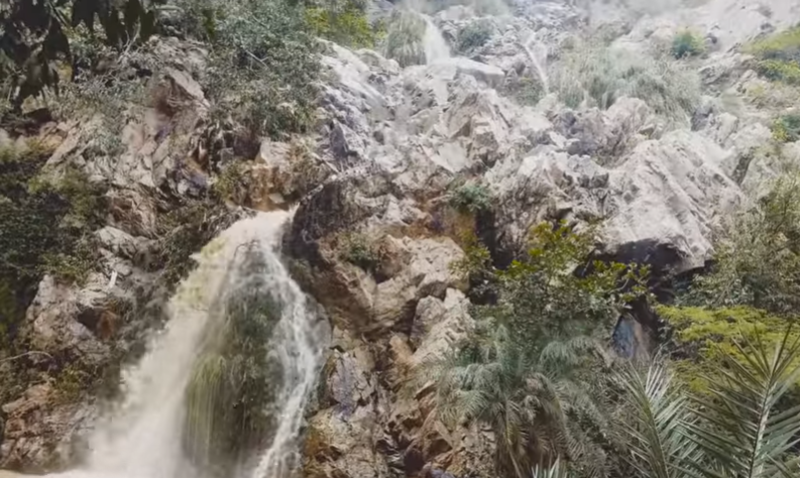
[687, 43]
[474, 36]
[702, 336]
[45, 227]
[786, 129]
[346, 25]
[264, 66]
[532, 367]
[404, 38]
[358, 250]
[757, 258]
[524, 90]
[778, 56]
[471, 197]
[600, 75]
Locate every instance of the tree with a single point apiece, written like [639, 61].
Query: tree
[33, 38]
[739, 430]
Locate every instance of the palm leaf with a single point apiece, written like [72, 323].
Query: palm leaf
[744, 433]
[655, 433]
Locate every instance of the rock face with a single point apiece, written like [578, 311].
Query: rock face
[398, 139]
[374, 235]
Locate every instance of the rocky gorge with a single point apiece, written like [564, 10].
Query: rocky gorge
[375, 224]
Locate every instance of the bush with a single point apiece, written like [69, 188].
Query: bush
[405, 31]
[358, 250]
[524, 90]
[45, 227]
[778, 56]
[600, 75]
[786, 129]
[265, 66]
[757, 260]
[531, 369]
[473, 198]
[687, 43]
[346, 25]
[474, 36]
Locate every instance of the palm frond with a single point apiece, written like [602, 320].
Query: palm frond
[746, 435]
[557, 470]
[656, 438]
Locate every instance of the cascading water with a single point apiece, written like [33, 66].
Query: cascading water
[436, 47]
[537, 61]
[142, 438]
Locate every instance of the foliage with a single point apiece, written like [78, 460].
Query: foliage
[234, 383]
[531, 369]
[471, 197]
[742, 432]
[554, 291]
[786, 129]
[33, 38]
[404, 38]
[756, 260]
[264, 66]
[526, 90]
[687, 43]
[45, 227]
[657, 419]
[701, 336]
[346, 24]
[778, 56]
[473, 36]
[358, 250]
[533, 403]
[600, 75]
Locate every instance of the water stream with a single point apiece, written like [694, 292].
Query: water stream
[141, 438]
[436, 47]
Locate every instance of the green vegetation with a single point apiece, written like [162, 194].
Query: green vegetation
[533, 368]
[757, 262]
[347, 25]
[45, 228]
[745, 431]
[471, 197]
[778, 56]
[235, 381]
[34, 39]
[358, 250]
[786, 128]
[474, 36]
[687, 43]
[599, 75]
[525, 90]
[403, 42]
[705, 336]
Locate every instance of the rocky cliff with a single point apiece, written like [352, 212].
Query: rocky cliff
[376, 228]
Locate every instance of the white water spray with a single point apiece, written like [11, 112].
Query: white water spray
[142, 438]
[436, 47]
[538, 60]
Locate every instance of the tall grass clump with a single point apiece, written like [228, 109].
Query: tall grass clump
[405, 31]
[598, 76]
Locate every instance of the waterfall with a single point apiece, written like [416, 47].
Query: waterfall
[436, 47]
[537, 61]
[142, 437]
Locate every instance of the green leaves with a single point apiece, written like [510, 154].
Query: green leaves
[741, 429]
[33, 41]
[744, 431]
[656, 426]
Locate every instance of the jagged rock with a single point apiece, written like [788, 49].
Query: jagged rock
[439, 325]
[40, 430]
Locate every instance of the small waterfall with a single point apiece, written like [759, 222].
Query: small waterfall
[142, 438]
[537, 61]
[436, 47]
